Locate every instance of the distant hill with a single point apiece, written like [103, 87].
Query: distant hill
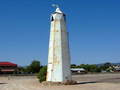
[116, 63]
[111, 63]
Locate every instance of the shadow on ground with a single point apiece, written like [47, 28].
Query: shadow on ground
[85, 83]
[3, 83]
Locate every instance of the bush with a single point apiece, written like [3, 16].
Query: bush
[34, 67]
[42, 74]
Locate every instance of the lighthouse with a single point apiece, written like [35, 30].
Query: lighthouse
[58, 69]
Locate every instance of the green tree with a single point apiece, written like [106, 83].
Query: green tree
[73, 66]
[90, 68]
[42, 74]
[106, 66]
[34, 67]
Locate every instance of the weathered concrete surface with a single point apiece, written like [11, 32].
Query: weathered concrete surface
[59, 55]
[86, 82]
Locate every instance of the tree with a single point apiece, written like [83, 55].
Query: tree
[34, 67]
[90, 68]
[106, 66]
[73, 66]
[22, 69]
[42, 74]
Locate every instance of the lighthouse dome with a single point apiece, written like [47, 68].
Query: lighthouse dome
[58, 10]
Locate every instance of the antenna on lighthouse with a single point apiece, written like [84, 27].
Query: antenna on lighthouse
[57, 8]
[55, 5]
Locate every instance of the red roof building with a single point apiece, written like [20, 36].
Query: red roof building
[7, 67]
[7, 64]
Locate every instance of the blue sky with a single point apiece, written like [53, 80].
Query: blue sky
[93, 25]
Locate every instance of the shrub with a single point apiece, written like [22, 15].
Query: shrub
[34, 67]
[42, 74]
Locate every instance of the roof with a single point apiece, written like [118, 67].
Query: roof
[77, 69]
[58, 10]
[7, 64]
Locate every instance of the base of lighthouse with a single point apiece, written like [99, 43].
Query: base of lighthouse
[59, 67]
[59, 55]
[49, 83]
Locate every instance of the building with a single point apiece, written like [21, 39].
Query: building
[59, 55]
[116, 68]
[78, 71]
[7, 68]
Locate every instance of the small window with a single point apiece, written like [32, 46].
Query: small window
[64, 16]
[52, 19]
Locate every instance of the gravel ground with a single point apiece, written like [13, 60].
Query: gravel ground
[85, 82]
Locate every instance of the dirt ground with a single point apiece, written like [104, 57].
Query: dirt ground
[85, 82]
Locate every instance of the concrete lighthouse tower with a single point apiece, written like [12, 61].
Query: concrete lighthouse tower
[59, 54]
